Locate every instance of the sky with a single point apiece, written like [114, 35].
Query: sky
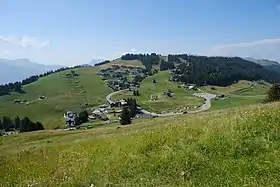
[73, 32]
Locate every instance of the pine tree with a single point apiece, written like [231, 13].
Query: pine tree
[274, 93]
[125, 116]
[25, 125]
[39, 126]
[1, 125]
[17, 122]
[82, 118]
[7, 123]
[132, 106]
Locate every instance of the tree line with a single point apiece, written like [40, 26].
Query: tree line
[203, 70]
[20, 124]
[148, 60]
[166, 65]
[101, 63]
[220, 71]
[6, 89]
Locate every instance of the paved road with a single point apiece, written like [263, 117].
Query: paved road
[202, 94]
[108, 97]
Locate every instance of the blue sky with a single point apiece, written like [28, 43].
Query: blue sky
[76, 31]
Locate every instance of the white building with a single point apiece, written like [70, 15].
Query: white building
[70, 118]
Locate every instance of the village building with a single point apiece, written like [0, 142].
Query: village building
[99, 115]
[70, 118]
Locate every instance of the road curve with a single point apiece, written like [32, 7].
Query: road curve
[203, 107]
[108, 97]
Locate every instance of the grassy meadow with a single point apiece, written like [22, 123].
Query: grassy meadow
[241, 93]
[182, 98]
[61, 94]
[233, 147]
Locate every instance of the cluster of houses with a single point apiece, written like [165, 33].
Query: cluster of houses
[101, 113]
[116, 77]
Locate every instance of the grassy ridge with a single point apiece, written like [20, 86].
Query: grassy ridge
[229, 148]
[61, 94]
[133, 63]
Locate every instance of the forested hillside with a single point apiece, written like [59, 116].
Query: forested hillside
[222, 71]
[203, 70]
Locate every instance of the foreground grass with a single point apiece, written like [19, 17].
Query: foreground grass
[62, 94]
[210, 149]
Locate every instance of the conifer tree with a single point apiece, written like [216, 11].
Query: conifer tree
[125, 116]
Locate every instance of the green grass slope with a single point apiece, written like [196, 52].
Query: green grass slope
[182, 98]
[61, 94]
[240, 94]
[238, 147]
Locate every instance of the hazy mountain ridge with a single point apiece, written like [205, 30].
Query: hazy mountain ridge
[19, 69]
[268, 64]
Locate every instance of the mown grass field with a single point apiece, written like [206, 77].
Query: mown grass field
[243, 84]
[234, 147]
[240, 94]
[242, 88]
[61, 94]
[236, 101]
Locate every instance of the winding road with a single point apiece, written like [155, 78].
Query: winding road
[202, 94]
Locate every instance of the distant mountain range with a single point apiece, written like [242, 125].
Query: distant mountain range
[268, 64]
[17, 70]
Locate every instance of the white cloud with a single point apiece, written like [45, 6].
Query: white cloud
[266, 48]
[23, 41]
